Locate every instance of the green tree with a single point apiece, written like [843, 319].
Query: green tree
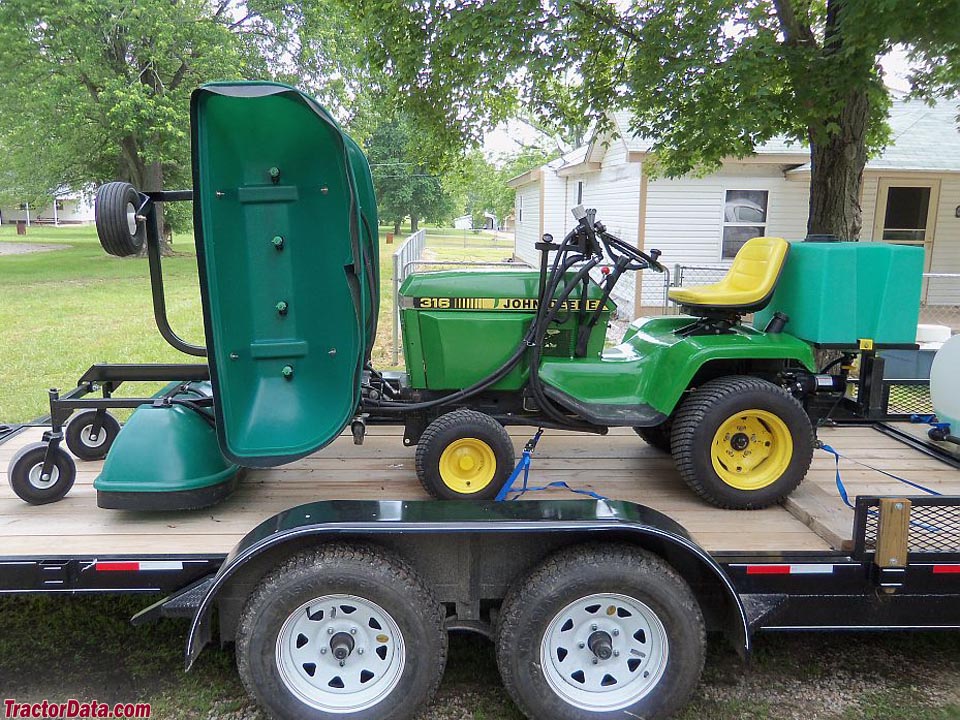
[479, 185]
[96, 90]
[404, 182]
[705, 79]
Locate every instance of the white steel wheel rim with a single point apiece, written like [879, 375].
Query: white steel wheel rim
[35, 478]
[86, 436]
[637, 640]
[309, 668]
[131, 219]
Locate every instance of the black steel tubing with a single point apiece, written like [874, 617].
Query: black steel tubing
[156, 285]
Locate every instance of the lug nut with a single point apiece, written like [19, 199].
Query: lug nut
[287, 373]
[353, 631]
[329, 631]
[593, 627]
[282, 307]
[581, 645]
[278, 242]
[615, 632]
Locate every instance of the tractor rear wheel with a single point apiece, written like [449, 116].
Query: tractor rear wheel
[657, 436]
[118, 228]
[464, 455]
[742, 443]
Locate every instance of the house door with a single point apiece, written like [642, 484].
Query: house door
[906, 214]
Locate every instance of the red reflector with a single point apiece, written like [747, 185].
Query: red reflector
[117, 566]
[768, 569]
[946, 569]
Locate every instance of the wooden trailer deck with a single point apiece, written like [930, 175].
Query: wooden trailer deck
[618, 466]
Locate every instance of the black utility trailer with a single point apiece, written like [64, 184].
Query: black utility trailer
[340, 608]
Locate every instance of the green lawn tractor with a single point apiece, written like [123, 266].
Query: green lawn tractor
[287, 247]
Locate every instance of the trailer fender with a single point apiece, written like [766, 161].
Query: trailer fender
[556, 523]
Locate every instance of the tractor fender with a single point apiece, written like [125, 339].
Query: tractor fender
[556, 521]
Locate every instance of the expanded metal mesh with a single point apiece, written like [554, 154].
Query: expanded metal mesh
[912, 399]
[934, 525]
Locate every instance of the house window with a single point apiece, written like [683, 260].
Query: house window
[744, 217]
[905, 219]
[580, 193]
[519, 208]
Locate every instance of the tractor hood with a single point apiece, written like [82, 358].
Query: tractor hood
[285, 222]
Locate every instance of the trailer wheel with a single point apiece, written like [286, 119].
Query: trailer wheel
[600, 632]
[80, 438]
[115, 213]
[742, 443]
[657, 436]
[464, 455]
[25, 474]
[342, 631]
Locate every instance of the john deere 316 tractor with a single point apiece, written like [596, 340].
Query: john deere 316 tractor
[286, 231]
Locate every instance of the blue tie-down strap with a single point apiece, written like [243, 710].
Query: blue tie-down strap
[524, 467]
[843, 490]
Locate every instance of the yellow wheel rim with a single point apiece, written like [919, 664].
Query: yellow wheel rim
[751, 449]
[467, 465]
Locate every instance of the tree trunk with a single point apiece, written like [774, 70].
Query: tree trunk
[837, 160]
[396, 227]
[153, 180]
[414, 223]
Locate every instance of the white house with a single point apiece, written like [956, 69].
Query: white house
[911, 194]
[70, 208]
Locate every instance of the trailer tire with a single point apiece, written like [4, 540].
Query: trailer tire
[656, 436]
[370, 600]
[464, 455]
[115, 213]
[728, 419]
[614, 603]
[24, 474]
[78, 435]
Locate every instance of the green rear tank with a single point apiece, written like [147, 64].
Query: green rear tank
[837, 293]
[458, 327]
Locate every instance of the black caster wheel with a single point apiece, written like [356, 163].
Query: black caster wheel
[115, 210]
[26, 477]
[81, 439]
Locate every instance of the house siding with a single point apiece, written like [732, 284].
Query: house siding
[527, 214]
[685, 215]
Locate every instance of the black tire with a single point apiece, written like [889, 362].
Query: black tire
[24, 476]
[114, 210]
[369, 574]
[535, 607]
[703, 413]
[656, 436]
[79, 438]
[462, 425]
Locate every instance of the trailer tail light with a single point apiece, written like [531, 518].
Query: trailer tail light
[946, 569]
[795, 569]
[139, 566]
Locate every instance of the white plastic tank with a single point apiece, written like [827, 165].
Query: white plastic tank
[945, 384]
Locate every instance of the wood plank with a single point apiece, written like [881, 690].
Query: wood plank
[822, 513]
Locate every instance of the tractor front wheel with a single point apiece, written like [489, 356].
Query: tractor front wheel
[742, 443]
[464, 455]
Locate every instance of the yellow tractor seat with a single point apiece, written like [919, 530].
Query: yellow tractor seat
[748, 285]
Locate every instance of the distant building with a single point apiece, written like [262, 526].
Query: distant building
[70, 208]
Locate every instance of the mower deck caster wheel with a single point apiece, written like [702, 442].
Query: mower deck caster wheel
[28, 481]
[464, 455]
[83, 442]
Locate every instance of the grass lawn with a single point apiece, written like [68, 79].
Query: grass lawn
[63, 310]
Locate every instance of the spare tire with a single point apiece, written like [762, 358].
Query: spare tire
[115, 209]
